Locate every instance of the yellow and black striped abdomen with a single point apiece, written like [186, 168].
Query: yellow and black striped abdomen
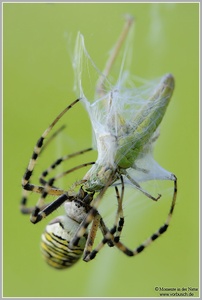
[54, 246]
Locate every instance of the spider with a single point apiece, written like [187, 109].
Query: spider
[67, 237]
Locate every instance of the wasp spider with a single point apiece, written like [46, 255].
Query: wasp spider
[68, 237]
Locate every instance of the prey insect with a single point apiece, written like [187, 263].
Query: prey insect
[125, 122]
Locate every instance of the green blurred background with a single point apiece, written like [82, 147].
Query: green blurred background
[38, 82]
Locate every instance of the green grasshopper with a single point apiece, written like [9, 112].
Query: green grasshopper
[124, 140]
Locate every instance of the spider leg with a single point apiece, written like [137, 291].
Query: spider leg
[38, 210]
[37, 189]
[154, 236]
[94, 218]
[48, 141]
[51, 191]
[29, 210]
[109, 237]
[42, 210]
[91, 235]
[29, 171]
[38, 214]
[96, 223]
[89, 218]
[110, 234]
[117, 228]
[104, 231]
[119, 220]
[58, 162]
[60, 175]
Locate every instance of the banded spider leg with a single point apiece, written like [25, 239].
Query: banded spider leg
[116, 239]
